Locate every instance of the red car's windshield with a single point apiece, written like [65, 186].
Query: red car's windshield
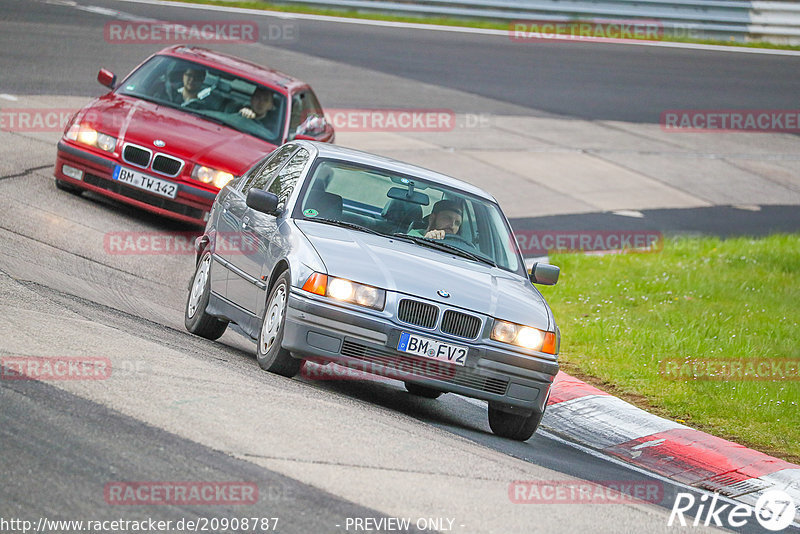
[212, 94]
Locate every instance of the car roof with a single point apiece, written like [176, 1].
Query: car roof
[328, 150]
[234, 65]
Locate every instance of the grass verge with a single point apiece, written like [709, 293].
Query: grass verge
[442, 21]
[623, 316]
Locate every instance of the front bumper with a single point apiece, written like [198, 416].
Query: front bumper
[320, 330]
[191, 204]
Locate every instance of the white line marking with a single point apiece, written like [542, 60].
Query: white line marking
[6, 96]
[629, 213]
[457, 29]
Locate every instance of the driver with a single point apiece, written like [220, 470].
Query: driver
[444, 219]
[262, 108]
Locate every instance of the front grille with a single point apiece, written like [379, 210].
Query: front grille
[417, 313]
[143, 196]
[454, 375]
[460, 324]
[136, 155]
[167, 165]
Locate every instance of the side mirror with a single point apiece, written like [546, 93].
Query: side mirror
[544, 273]
[263, 201]
[107, 78]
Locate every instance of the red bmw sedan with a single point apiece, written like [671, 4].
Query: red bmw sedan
[180, 126]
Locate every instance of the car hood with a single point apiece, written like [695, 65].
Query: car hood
[414, 270]
[185, 135]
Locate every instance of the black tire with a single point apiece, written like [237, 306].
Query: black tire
[513, 426]
[195, 318]
[270, 354]
[422, 391]
[69, 188]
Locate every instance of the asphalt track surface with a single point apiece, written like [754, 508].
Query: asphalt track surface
[60, 446]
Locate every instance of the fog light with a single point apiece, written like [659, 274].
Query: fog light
[72, 172]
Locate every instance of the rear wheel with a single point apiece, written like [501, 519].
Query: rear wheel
[513, 426]
[422, 391]
[271, 355]
[69, 188]
[195, 318]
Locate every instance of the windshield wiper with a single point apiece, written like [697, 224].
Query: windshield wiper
[345, 224]
[444, 247]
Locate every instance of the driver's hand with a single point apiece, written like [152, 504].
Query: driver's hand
[435, 234]
[247, 113]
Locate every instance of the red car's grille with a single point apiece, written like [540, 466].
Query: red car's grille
[136, 155]
[167, 165]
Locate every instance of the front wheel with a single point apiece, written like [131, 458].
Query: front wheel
[513, 426]
[271, 355]
[195, 318]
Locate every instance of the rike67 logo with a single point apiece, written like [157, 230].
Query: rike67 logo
[774, 511]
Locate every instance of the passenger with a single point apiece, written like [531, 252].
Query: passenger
[445, 218]
[192, 83]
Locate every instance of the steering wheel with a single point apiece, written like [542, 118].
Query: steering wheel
[458, 241]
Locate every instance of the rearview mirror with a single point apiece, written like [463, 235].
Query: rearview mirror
[409, 195]
[263, 201]
[107, 78]
[544, 273]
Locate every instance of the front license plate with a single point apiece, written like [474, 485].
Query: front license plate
[430, 348]
[148, 183]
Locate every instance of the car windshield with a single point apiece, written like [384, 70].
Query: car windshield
[406, 207]
[216, 95]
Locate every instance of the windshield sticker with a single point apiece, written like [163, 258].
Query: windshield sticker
[310, 212]
[130, 87]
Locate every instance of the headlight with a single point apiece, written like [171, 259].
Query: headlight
[346, 291]
[88, 136]
[524, 336]
[207, 175]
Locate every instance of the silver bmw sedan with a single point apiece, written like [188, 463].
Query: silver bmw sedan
[332, 255]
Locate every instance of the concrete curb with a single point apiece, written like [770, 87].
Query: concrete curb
[595, 419]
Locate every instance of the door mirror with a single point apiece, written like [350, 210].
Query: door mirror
[544, 273]
[263, 201]
[107, 78]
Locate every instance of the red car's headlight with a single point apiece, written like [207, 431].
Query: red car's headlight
[91, 137]
[207, 175]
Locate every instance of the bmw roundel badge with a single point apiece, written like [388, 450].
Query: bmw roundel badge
[159, 143]
[444, 294]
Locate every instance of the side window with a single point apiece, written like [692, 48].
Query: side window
[262, 175]
[304, 105]
[284, 183]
